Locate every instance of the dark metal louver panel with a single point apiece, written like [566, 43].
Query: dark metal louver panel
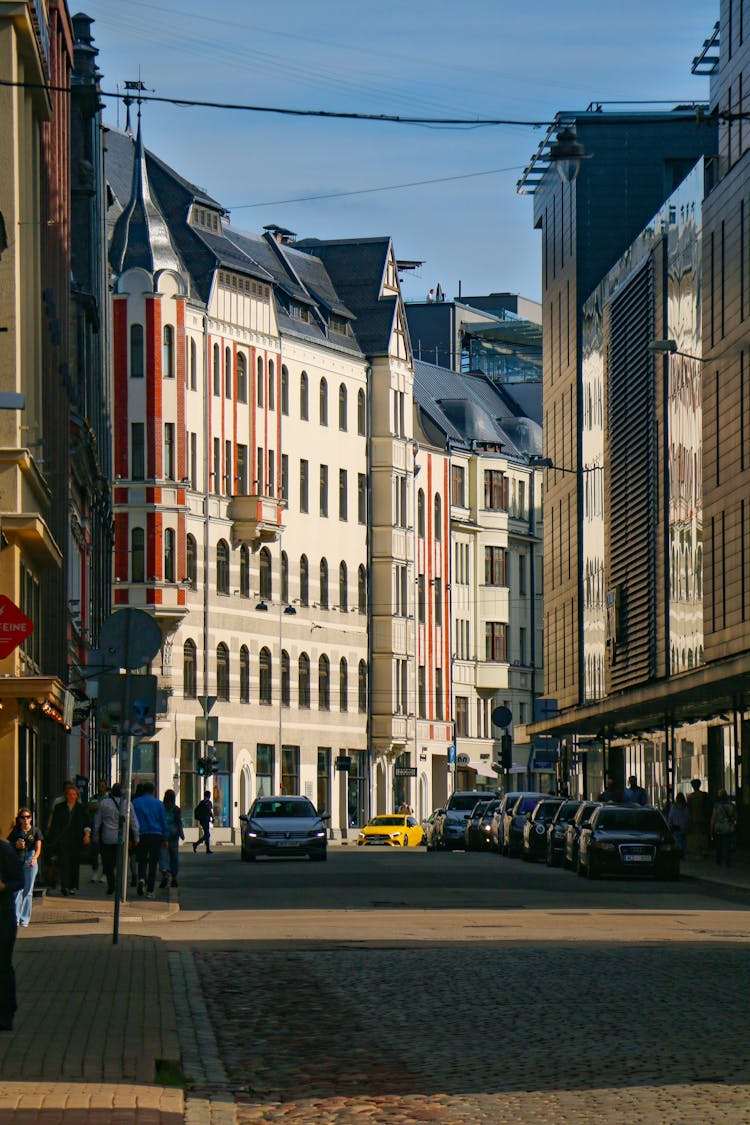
[633, 477]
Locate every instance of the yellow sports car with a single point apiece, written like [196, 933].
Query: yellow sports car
[395, 831]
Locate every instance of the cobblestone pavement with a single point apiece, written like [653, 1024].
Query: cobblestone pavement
[540, 1034]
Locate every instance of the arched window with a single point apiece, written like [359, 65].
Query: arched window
[137, 555]
[343, 419]
[284, 389]
[361, 413]
[241, 377]
[244, 674]
[193, 377]
[438, 519]
[324, 583]
[265, 578]
[286, 679]
[191, 560]
[169, 554]
[222, 567]
[343, 685]
[362, 590]
[343, 588]
[284, 577]
[271, 385]
[362, 686]
[324, 683]
[189, 670]
[304, 680]
[420, 514]
[217, 370]
[244, 571]
[136, 351]
[304, 581]
[304, 396]
[222, 671]
[264, 681]
[323, 402]
[167, 360]
[227, 372]
[259, 380]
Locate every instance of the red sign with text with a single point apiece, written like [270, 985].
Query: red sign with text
[15, 626]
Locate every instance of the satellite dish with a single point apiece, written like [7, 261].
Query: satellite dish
[129, 638]
[502, 717]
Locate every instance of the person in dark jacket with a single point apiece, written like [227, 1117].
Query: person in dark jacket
[11, 882]
[152, 829]
[204, 814]
[68, 832]
[170, 856]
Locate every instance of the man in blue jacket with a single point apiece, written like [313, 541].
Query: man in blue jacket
[153, 834]
[11, 881]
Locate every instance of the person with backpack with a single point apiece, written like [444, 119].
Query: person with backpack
[204, 814]
[723, 825]
[170, 856]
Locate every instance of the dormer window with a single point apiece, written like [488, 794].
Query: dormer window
[338, 324]
[299, 312]
[206, 219]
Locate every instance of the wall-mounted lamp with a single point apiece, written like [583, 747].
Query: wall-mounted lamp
[566, 153]
[669, 347]
[261, 605]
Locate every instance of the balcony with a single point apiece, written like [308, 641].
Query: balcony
[491, 676]
[255, 519]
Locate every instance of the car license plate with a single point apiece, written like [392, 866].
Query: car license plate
[637, 858]
[288, 844]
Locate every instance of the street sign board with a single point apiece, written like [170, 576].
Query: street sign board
[129, 638]
[452, 754]
[126, 704]
[502, 717]
[404, 771]
[15, 626]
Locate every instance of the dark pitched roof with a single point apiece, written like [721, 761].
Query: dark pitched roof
[141, 236]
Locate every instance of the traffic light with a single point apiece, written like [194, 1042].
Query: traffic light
[204, 767]
[506, 752]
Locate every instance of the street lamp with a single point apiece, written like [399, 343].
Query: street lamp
[566, 153]
[669, 347]
[536, 461]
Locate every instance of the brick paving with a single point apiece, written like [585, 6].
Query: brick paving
[540, 1034]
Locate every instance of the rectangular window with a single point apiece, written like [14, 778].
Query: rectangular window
[361, 498]
[495, 491]
[494, 566]
[169, 451]
[194, 462]
[290, 770]
[495, 633]
[402, 597]
[324, 779]
[217, 465]
[260, 475]
[522, 499]
[242, 469]
[285, 477]
[137, 451]
[264, 769]
[439, 693]
[324, 490]
[343, 495]
[458, 486]
[422, 691]
[271, 489]
[304, 486]
[462, 716]
[522, 575]
[522, 645]
[228, 474]
[421, 600]
[438, 602]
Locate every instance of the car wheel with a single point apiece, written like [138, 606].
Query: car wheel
[405, 842]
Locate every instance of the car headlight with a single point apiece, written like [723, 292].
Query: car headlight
[394, 835]
[319, 832]
[362, 836]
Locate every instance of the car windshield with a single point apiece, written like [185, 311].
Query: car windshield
[387, 822]
[462, 801]
[527, 804]
[480, 808]
[642, 820]
[584, 813]
[568, 810]
[546, 810]
[263, 809]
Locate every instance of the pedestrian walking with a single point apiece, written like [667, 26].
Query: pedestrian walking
[170, 856]
[634, 793]
[699, 819]
[11, 882]
[204, 814]
[26, 838]
[107, 832]
[102, 789]
[68, 832]
[405, 807]
[678, 819]
[722, 828]
[152, 825]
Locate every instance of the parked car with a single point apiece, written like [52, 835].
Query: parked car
[477, 831]
[427, 826]
[397, 831]
[557, 829]
[628, 840]
[498, 818]
[573, 831]
[515, 820]
[283, 826]
[450, 822]
[534, 845]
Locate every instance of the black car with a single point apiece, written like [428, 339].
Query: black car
[573, 831]
[478, 826]
[450, 822]
[283, 826]
[534, 844]
[498, 819]
[557, 829]
[514, 822]
[628, 840]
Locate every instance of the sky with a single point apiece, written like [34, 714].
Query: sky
[478, 58]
